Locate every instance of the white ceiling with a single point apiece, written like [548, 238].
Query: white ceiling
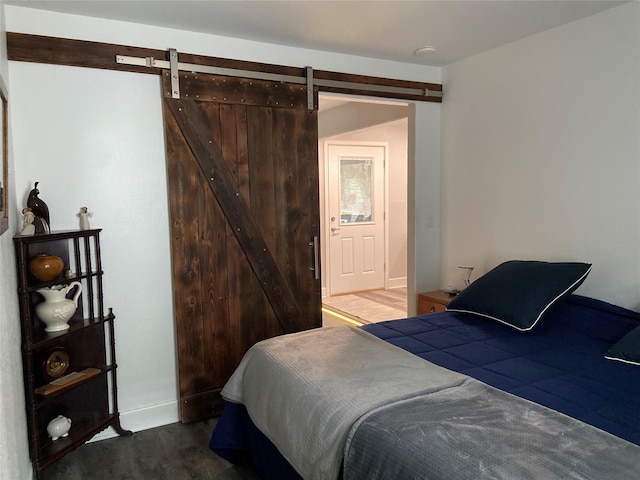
[389, 30]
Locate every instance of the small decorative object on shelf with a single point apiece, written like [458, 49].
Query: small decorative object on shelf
[84, 216]
[46, 267]
[28, 228]
[56, 363]
[40, 210]
[68, 344]
[57, 309]
[59, 427]
[66, 381]
[451, 290]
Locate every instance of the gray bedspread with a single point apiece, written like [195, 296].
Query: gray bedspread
[305, 391]
[476, 432]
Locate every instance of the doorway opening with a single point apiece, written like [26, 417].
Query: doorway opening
[363, 161]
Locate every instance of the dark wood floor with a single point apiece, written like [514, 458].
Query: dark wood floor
[172, 452]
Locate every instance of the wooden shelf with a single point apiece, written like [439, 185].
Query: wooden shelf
[40, 337]
[67, 381]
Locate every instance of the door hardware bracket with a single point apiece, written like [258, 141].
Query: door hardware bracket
[175, 74]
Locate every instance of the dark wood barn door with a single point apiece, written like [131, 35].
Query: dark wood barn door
[243, 190]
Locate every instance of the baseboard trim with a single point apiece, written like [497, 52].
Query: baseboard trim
[143, 419]
[399, 282]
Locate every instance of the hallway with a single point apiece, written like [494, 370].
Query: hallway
[368, 307]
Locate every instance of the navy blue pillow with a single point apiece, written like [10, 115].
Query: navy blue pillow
[627, 349]
[518, 293]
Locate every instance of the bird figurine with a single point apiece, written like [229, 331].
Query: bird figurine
[39, 209]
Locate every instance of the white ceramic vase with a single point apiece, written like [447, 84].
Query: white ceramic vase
[57, 309]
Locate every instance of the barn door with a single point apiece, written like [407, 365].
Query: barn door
[244, 210]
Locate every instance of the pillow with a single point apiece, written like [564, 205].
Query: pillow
[518, 293]
[627, 349]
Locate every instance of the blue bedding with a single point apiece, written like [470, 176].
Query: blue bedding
[560, 364]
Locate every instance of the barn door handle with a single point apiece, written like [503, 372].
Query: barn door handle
[315, 268]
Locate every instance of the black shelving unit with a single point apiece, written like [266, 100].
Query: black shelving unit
[91, 402]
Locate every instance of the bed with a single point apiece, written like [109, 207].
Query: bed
[519, 378]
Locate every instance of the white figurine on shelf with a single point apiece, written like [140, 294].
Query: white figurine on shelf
[84, 218]
[28, 228]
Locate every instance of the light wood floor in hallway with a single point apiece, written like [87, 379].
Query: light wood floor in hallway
[371, 306]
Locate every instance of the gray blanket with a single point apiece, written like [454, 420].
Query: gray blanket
[476, 432]
[304, 391]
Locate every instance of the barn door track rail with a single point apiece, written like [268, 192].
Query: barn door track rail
[23, 47]
[176, 66]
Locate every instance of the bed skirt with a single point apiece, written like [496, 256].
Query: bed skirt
[238, 440]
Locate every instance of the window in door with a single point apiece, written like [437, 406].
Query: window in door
[356, 190]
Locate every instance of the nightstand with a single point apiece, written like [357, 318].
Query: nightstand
[431, 302]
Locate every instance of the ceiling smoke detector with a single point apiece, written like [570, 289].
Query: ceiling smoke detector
[425, 50]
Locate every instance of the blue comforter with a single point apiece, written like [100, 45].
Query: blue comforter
[560, 364]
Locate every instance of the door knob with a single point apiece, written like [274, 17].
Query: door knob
[335, 229]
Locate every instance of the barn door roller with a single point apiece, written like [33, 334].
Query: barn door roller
[175, 66]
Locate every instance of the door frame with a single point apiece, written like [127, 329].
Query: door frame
[326, 268]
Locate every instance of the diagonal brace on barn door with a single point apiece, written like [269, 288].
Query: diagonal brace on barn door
[238, 214]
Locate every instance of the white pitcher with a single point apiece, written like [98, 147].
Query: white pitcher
[57, 309]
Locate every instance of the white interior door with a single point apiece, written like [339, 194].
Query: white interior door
[355, 217]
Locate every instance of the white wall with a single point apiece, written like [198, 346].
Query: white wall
[541, 154]
[424, 198]
[100, 144]
[94, 138]
[14, 457]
